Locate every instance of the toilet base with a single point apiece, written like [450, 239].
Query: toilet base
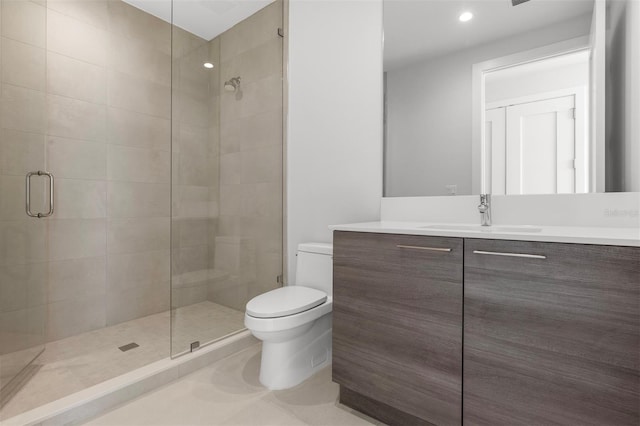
[286, 364]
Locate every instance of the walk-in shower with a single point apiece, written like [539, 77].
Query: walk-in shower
[167, 215]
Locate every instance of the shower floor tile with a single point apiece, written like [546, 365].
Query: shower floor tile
[75, 363]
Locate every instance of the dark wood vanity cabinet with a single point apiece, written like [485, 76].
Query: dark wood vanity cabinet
[551, 334]
[397, 326]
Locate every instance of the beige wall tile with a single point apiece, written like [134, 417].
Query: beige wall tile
[262, 96]
[136, 235]
[262, 228]
[22, 329]
[131, 22]
[136, 302]
[81, 199]
[257, 63]
[22, 109]
[231, 105]
[230, 292]
[23, 64]
[72, 118]
[231, 197]
[192, 75]
[136, 94]
[262, 130]
[189, 109]
[228, 225]
[190, 259]
[230, 168]
[191, 201]
[269, 266]
[22, 286]
[76, 79]
[139, 130]
[24, 21]
[262, 199]
[128, 199]
[131, 270]
[197, 169]
[261, 166]
[77, 238]
[74, 316]
[185, 296]
[77, 278]
[232, 135]
[139, 58]
[21, 152]
[70, 158]
[12, 198]
[72, 37]
[194, 140]
[92, 12]
[23, 241]
[138, 164]
[192, 232]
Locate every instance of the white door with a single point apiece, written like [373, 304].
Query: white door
[540, 147]
[495, 145]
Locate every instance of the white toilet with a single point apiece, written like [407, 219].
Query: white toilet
[294, 322]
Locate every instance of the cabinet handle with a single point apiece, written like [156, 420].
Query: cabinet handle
[423, 248]
[497, 253]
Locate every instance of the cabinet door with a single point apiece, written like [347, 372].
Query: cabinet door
[397, 326]
[551, 339]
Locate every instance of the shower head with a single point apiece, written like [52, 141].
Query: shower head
[232, 85]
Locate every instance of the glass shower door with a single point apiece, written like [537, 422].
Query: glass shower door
[227, 173]
[23, 238]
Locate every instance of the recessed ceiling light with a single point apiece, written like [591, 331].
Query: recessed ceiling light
[466, 16]
[208, 65]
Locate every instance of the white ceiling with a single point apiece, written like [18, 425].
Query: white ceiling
[421, 29]
[204, 18]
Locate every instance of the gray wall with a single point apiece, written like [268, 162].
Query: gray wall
[622, 155]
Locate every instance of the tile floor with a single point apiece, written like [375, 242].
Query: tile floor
[75, 363]
[228, 393]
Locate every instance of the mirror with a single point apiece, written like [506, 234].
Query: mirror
[511, 97]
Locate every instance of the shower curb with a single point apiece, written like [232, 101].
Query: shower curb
[93, 401]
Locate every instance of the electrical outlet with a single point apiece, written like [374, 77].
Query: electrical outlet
[451, 189]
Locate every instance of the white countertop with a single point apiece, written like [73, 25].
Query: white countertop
[557, 234]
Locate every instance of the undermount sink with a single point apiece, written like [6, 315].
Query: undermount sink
[479, 228]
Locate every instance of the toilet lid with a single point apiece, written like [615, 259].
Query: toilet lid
[285, 301]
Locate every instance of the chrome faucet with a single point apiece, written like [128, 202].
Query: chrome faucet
[485, 209]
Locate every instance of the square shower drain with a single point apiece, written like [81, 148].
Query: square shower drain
[128, 346]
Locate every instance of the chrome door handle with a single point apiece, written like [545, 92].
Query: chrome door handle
[28, 194]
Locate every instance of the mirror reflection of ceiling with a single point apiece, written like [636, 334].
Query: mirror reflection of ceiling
[204, 18]
[414, 30]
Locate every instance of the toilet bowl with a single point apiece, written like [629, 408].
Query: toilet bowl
[294, 322]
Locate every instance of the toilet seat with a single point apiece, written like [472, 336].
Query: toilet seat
[285, 301]
[290, 321]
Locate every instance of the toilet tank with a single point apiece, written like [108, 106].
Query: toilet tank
[314, 266]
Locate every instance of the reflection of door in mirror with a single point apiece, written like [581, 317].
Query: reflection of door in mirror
[536, 126]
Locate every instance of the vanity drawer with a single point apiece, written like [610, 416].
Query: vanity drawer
[397, 319]
[551, 333]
